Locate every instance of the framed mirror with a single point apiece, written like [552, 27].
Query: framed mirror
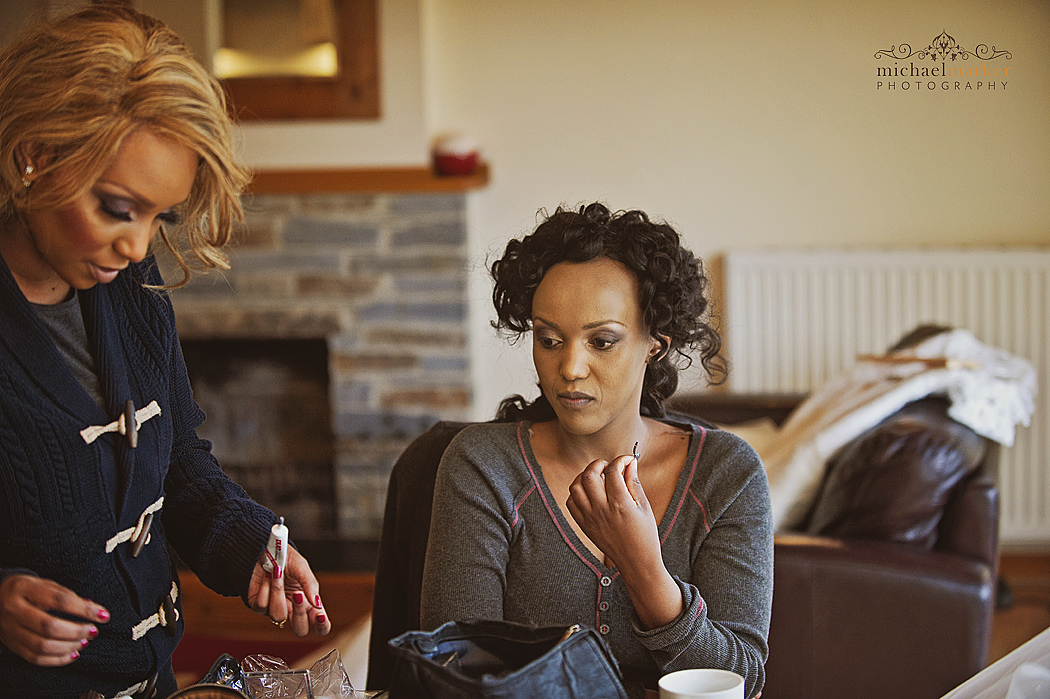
[338, 61]
[284, 59]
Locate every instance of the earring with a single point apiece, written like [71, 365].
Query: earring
[26, 182]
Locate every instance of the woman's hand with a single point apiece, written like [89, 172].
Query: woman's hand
[31, 631]
[609, 504]
[289, 594]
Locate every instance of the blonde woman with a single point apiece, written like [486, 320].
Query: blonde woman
[110, 136]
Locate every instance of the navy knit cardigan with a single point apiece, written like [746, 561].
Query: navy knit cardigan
[62, 499]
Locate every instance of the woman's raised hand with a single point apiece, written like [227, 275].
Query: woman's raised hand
[30, 630]
[292, 594]
[609, 504]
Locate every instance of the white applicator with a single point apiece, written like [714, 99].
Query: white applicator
[277, 549]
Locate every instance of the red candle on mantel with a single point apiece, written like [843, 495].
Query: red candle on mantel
[456, 154]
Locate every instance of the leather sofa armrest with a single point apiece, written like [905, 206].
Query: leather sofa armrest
[893, 482]
[970, 525]
[861, 619]
[733, 408]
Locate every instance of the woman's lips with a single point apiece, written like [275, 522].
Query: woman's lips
[574, 399]
[103, 275]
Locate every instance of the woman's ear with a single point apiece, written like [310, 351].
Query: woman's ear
[31, 159]
[660, 345]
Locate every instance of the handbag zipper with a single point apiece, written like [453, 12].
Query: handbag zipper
[569, 631]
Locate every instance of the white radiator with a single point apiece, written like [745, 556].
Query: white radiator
[794, 318]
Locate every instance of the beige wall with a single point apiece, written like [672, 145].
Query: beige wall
[745, 123]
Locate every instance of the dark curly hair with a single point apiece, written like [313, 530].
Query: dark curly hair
[671, 289]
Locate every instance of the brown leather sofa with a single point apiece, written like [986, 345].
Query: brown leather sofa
[888, 588]
[887, 592]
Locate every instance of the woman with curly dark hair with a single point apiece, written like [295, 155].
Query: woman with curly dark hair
[590, 505]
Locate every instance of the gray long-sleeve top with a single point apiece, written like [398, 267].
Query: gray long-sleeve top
[501, 548]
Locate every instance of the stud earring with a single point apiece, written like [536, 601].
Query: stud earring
[26, 182]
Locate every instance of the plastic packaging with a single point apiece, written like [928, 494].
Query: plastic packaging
[225, 671]
[267, 677]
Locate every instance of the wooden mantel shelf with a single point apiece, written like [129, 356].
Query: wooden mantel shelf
[366, 180]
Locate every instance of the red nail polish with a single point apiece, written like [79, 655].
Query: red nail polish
[74, 655]
[103, 615]
[83, 642]
[321, 618]
[277, 572]
[298, 598]
[93, 632]
[317, 601]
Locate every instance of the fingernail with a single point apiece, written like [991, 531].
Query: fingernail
[103, 615]
[277, 572]
[74, 655]
[83, 642]
[297, 598]
[93, 632]
[321, 618]
[317, 601]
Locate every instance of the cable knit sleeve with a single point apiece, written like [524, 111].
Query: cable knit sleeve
[214, 526]
[211, 522]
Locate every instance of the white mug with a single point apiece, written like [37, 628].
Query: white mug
[702, 683]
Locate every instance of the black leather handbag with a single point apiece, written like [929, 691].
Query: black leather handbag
[504, 660]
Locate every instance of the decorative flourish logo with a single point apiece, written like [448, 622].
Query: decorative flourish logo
[942, 48]
[945, 53]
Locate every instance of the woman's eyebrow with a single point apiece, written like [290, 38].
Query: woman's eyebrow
[599, 323]
[129, 194]
[543, 321]
[588, 326]
[136, 198]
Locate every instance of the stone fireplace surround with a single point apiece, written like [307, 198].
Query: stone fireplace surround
[381, 278]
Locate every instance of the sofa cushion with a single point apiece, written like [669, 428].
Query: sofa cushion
[892, 483]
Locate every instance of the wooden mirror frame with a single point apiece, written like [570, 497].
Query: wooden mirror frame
[353, 94]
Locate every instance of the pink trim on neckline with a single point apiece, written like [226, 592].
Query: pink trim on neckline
[550, 512]
[519, 503]
[703, 510]
[688, 485]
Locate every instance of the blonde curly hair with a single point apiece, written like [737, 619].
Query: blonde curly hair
[78, 85]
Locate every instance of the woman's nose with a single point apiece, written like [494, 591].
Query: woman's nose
[134, 244]
[574, 363]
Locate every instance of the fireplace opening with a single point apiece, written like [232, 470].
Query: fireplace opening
[269, 422]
